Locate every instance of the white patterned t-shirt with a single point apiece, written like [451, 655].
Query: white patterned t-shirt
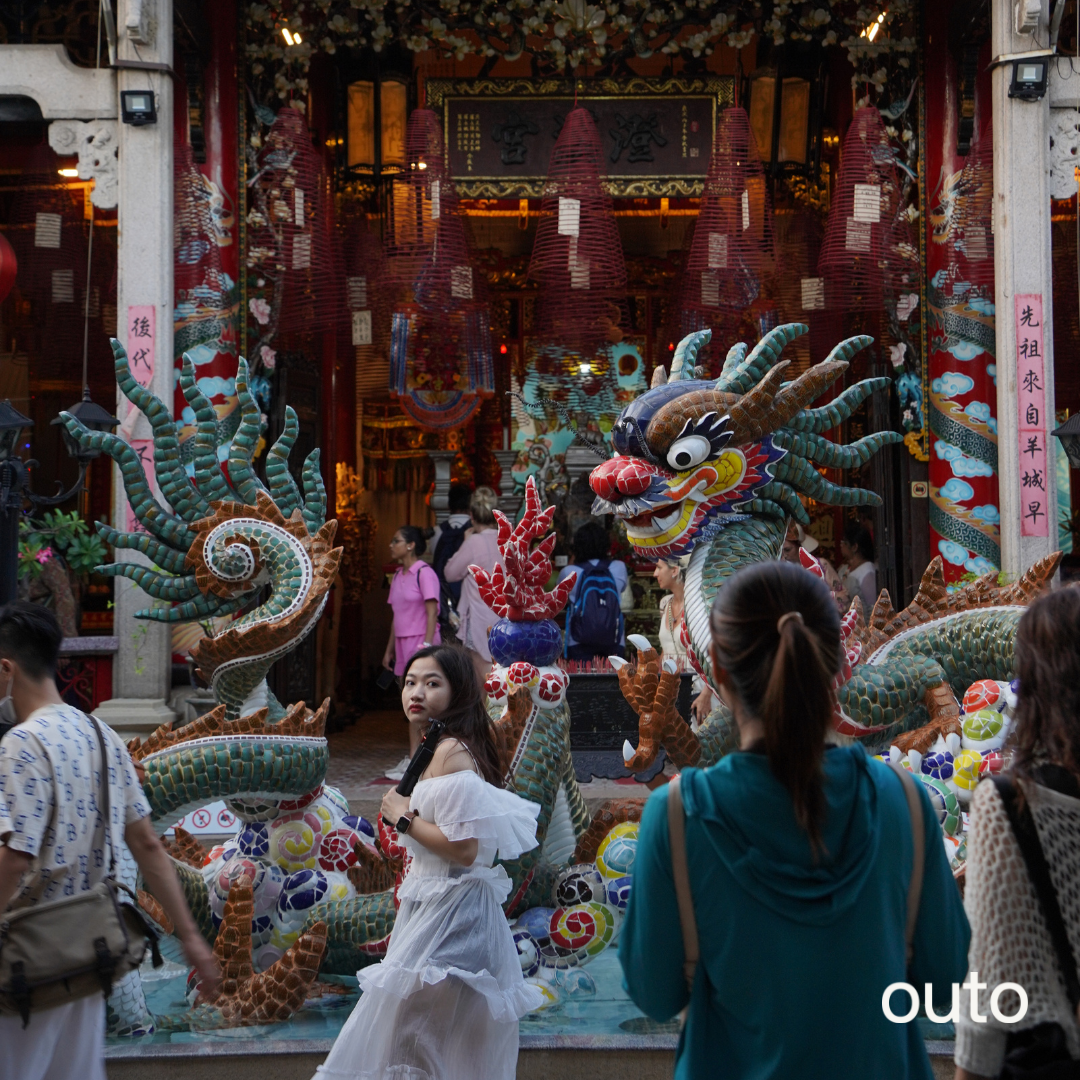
[50, 795]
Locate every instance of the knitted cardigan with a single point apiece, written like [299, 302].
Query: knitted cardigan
[1009, 938]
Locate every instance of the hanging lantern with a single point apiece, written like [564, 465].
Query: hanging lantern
[9, 266]
[867, 253]
[733, 239]
[577, 259]
[440, 344]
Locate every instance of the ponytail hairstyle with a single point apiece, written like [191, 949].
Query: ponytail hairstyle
[466, 718]
[776, 631]
[483, 502]
[413, 534]
[1048, 671]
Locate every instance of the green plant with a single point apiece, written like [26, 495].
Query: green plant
[58, 533]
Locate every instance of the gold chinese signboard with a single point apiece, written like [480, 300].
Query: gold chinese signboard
[657, 134]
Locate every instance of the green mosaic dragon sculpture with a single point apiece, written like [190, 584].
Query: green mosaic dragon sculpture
[714, 469]
[302, 878]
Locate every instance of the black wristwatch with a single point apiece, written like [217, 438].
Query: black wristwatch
[403, 823]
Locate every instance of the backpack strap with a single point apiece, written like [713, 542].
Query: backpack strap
[1023, 827]
[106, 809]
[918, 858]
[681, 872]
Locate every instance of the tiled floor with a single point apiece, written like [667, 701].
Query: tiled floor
[361, 754]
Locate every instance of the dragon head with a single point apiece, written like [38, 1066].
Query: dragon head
[694, 455]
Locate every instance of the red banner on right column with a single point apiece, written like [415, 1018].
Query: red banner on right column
[1031, 401]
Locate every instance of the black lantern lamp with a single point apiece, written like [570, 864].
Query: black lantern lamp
[1069, 434]
[91, 416]
[11, 424]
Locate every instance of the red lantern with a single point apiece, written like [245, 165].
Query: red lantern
[9, 266]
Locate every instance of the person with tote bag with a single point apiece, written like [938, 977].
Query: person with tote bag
[791, 868]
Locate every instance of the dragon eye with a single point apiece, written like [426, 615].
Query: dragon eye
[687, 452]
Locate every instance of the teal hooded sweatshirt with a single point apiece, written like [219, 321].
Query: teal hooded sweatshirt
[795, 953]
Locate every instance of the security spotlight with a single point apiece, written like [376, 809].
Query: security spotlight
[1029, 79]
[137, 107]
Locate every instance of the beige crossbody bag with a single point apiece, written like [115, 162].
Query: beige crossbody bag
[62, 950]
[681, 871]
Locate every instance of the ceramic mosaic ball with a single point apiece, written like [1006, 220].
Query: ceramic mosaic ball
[301, 891]
[550, 994]
[983, 730]
[579, 885]
[338, 849]
[287, 806]
[984, 694]
[618, 892]
[938, 764]
[582, 931]
[362, 827]
[295, 838]
[254, 840]
[968, 766]
[538, 643]
[335, 802]
[617, 851]
[945, 804]
[527, 951]
[536, 921]
[576, 983]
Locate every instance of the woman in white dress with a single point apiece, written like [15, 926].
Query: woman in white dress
[445, 1002]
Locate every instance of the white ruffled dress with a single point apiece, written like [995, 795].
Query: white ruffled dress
[445, 1002]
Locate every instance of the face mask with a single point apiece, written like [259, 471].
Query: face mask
[7, 706]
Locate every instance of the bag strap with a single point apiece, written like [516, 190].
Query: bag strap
[1023, 827]
[918, 857]
[681, 872]
[105, 795]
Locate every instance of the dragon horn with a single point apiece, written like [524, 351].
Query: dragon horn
[808, 386]
[753, 415]
[659, 376]
[682, 366]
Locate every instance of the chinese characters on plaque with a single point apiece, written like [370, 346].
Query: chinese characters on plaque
[1031, 402]
[141, 331]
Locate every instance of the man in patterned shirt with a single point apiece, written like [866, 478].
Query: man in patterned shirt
[52, 838]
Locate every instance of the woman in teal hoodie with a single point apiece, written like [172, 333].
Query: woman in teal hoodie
[800, 855]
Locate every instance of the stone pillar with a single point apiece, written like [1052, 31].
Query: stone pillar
[440, 497]
[1022, 268]
[142, 667]
[509, 503]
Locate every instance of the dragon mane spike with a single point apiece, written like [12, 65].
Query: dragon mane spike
[762, 357]
[785, 495]
[682, 364]
[753, 416]
[159, 586]
[314, 510]
[735, 356]
[199, 608]
[171, 475]
[659, 376]
[172, 562]
[242, 447]
[765, 507]
[849, 347]
[283, 487]
[168, 528]
[833, 456]
[209, 478]
[806, 480]
[839, 409]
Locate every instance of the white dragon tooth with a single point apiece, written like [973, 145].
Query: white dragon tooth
[639, 641]
[670, 667]
[617, 662]
[627, 751]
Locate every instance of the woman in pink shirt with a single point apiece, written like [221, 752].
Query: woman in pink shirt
[414, 597]
[479, 548]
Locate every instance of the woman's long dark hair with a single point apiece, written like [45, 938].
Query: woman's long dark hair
[1048, 669]
[783, 670]
[466, 718]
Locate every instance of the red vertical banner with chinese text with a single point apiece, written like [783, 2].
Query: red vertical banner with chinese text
[1031, 406]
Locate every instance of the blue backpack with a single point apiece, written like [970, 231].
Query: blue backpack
[595, 617]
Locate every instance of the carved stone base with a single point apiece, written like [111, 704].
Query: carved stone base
[129, 717]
